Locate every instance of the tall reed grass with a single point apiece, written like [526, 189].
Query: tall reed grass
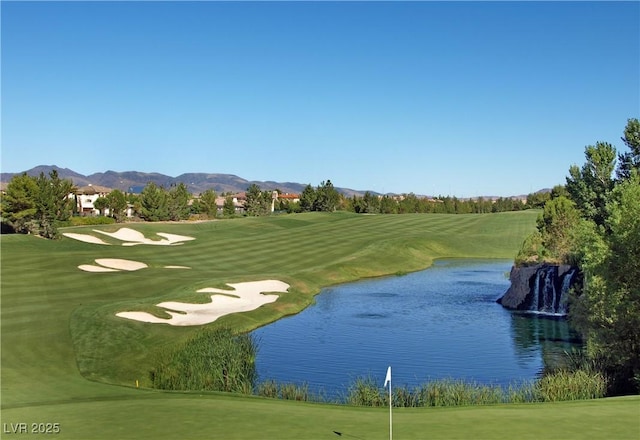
[221, 360]
[287, 391]
[214, 360]
[560, 385]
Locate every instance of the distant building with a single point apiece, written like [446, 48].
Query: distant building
[294, 198]
[86, 197]
[239, 201]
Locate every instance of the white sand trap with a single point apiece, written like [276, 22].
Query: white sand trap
[93, 268]
[177, 267]
[112, 265]
[174, 238]
[132, 237]
[245, 297]
[85, 237]
[117, 263]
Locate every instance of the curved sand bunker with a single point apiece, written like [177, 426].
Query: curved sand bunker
[112, 265]
[131, 237]
[117, 265]
[85, 237]
[245, 297]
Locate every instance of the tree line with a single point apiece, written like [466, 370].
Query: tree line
[39, 205]
[594, 223]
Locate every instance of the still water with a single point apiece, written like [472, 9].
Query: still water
[442, 322]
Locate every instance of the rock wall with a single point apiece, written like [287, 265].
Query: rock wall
[542, 288]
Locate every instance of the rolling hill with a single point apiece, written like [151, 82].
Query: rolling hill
[196, 182]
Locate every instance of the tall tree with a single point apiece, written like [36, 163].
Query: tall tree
[371, 203]
[590, 186]
[178, 202]
[229, 208]
[388, 205]
[62, 191]
[258, 202]
[101, 204]
[208, 203]
[117, 204]
[630, 160]
[555, 224]
[308, 198]
[46, 208]
[408, 204]
[18, 204]
[327, 197]
[153, 203]
[608, 311]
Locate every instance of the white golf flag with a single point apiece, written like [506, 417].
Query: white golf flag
[388, 378]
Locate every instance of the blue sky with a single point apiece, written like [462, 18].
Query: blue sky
[438, 98]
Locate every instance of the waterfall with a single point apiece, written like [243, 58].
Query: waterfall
[550, 291]
[566, 285]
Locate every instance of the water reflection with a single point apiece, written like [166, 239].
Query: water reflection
[552, 337]
[439, 323]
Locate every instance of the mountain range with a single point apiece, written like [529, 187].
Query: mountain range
[134, 181]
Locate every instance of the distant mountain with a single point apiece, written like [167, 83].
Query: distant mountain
[195, 182]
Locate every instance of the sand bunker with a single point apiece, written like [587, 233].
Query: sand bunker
[245, 297]
[112, 265]
[85, 237]
[131, 237]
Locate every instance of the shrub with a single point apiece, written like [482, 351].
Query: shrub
[88, 221]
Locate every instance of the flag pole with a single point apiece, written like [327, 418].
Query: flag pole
[388, 380]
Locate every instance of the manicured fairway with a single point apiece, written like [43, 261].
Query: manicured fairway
[150, 415]
[66, 357]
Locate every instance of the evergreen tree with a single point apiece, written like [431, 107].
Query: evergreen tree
[307, 199]
[258, 202]
[630, 160]
[229, 208]
[153, 203]
[208, 203]
[327, 197]
[19, 203]
[590, 186]
[178, 202]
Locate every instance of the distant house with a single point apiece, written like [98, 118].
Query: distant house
[239, 201]
[86, 197]
[288, 197]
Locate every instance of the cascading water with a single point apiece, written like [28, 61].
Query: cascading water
[566, 285]
[550, 291]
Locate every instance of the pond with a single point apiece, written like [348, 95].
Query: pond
[439, 323]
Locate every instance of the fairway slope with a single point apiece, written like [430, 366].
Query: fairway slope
[64, 350]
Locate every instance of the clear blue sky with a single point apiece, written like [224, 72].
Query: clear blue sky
[448, 98]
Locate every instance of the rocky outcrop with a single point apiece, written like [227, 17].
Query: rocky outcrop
[542, 288]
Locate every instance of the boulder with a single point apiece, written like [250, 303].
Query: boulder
[541, 287]
[521, 279]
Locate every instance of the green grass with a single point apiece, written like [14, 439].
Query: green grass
[67, 358]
